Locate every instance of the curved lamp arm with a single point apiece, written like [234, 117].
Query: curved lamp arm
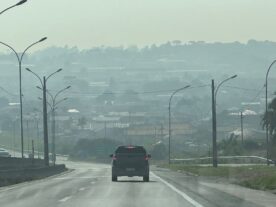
[17, 4]
[59, 92]
[41, 40]
[232, 77]
[54, 73]
[17, 56]
[180, 89]
[29, 70]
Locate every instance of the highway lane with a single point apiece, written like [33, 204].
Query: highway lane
[90, 185]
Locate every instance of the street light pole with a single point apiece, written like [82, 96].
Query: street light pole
[214, 121]
[20, 59]
[180, 89]
[266, 111]
[53, 110]
[45, 122]
[214, 118]
[17, 4]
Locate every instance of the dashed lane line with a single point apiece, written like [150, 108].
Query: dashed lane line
[82, 189]
[65, 199]
[85, 177]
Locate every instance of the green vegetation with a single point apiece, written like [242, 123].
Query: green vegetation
[257, 177]
[234, 146]
[269, 119]
[159, 151]
[10, 141]
[96, 149]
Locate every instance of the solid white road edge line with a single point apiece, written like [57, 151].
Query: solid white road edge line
[184, 195]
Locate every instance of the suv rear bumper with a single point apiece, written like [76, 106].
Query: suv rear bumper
[125, 172]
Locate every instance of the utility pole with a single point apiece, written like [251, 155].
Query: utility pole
[242, 127]
[45, 124]
[214, 118]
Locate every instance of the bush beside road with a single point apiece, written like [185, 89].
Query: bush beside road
[259, 177]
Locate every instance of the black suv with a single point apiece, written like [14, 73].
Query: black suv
[130, 161]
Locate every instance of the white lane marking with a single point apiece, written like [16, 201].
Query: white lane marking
[184, 195]
[67, 178]
[65, 199]
[81, 189]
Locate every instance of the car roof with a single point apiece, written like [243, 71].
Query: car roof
[125, 149]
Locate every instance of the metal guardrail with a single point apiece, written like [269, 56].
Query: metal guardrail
[239, 159]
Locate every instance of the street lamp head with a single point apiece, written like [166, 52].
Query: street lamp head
[234, 76]
[39, 87]
[188, 86]
[28, 69]
[41, 40]
[68, 87]
[21, 2]
[59, 70]
[39, 98]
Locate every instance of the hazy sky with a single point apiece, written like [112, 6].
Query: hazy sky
[88, 23]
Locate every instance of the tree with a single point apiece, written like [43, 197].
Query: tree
[97, 148]
[129, 96]
[230, 146]
[269, 119]
[107, 97]
[82, 122]
[159, 151]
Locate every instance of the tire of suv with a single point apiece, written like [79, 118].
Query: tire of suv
[146, 178]
[114, 178]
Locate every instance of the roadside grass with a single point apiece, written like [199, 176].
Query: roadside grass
[260, 177]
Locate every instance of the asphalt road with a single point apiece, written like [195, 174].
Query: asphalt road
[90, 185]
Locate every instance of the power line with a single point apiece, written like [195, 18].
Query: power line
[131, 93]
[6, 91]
[258, 94]
[240, 88]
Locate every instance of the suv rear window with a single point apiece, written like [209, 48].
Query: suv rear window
[130, 149]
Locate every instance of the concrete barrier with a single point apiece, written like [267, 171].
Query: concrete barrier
[14, 176]
[15, 163]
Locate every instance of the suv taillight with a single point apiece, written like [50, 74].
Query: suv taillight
[146, 157]
[114, 157]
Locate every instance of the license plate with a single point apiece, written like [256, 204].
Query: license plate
[130, 169]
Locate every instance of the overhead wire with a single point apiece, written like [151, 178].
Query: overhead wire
[131, 93]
